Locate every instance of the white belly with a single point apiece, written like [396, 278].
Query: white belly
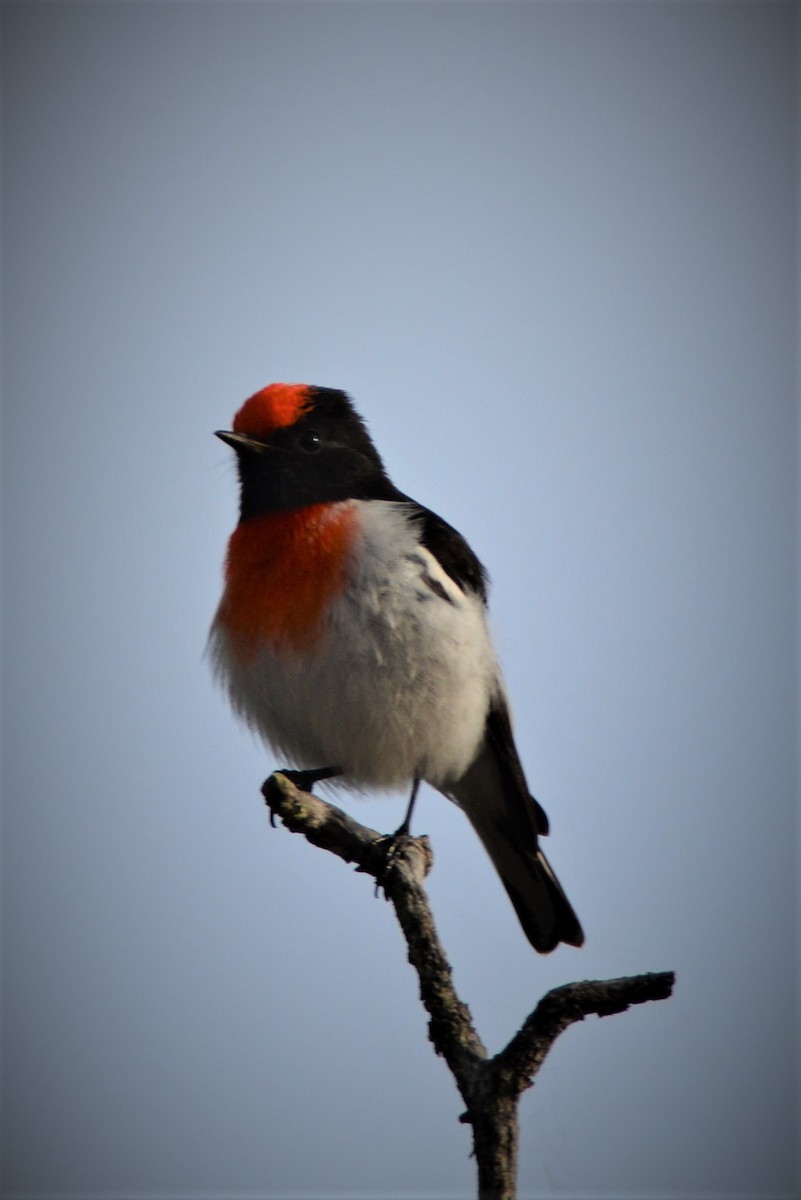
[398, 687]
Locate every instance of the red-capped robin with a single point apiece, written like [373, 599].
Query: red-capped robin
[352, 635]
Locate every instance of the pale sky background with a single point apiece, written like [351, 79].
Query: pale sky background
[550, 250]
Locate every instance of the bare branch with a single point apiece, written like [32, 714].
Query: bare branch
[490, 1087]
[517, 1064]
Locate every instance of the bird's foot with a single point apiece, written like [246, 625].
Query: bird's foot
[396, 839]
[305, 780]
[393, 846]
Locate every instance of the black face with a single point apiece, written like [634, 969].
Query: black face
[327, 455]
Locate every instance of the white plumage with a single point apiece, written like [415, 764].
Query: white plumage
[399, 684]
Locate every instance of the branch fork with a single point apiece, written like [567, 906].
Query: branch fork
[490, 1087]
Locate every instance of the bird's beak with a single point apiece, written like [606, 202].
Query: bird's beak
[241, 441]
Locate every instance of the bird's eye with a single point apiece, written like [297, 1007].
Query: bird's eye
[310, 441]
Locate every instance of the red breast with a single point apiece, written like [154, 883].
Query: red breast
[282, 572]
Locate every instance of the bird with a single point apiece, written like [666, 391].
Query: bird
[352, 635]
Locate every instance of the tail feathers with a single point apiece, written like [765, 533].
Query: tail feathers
[561, 924]
[494, 795]
[542, 907]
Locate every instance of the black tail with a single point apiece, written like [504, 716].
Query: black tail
[494, 795]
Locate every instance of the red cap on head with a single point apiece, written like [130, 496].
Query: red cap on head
[273, 407]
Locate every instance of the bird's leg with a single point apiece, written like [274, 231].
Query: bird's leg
[401, 832]
[305, 780]
[404, 827]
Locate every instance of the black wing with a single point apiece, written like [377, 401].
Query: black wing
[443, 541]
[449, 549]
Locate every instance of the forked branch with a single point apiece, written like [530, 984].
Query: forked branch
[490, 1087]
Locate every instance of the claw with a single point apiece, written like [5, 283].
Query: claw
[305, 780]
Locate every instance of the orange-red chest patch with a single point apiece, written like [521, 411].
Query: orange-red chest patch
[282, 571]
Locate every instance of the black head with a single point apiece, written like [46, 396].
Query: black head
[299, 445]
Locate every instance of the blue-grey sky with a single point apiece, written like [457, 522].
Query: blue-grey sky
[550, 250]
